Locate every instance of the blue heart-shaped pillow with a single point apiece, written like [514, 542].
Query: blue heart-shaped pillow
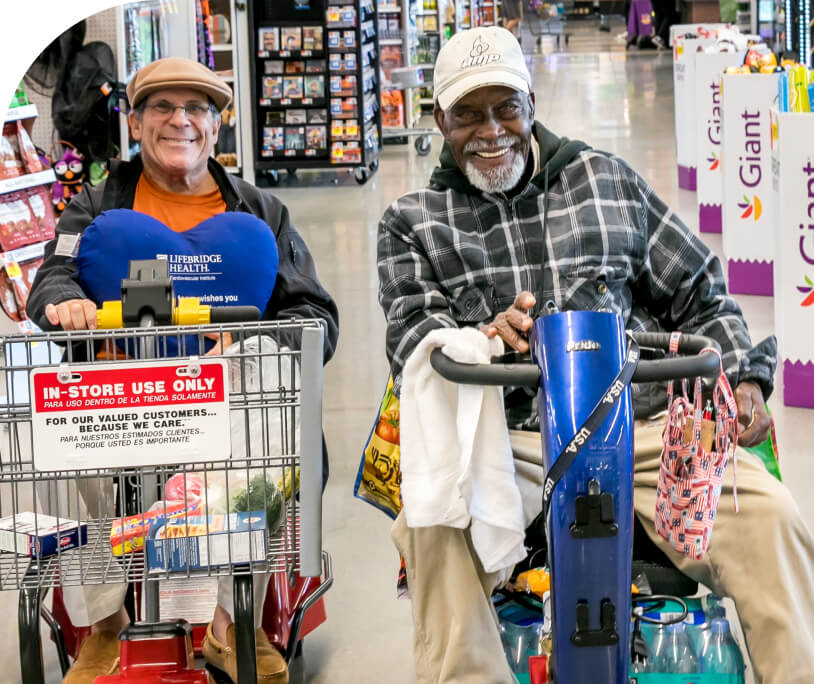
[229, 259]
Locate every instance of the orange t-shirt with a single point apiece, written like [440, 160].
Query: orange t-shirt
[177, 212]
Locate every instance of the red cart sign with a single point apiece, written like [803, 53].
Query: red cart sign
[129, 414]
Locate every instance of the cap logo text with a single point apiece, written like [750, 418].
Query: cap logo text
[478, 56]
[583, 345]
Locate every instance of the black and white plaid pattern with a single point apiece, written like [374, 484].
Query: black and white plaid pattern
[447, 258]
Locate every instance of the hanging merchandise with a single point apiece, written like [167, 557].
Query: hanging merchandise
[316, 82]
[203, 19]
[146, 34]
[85, 105]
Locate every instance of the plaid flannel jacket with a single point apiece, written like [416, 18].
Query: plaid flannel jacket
[453, 256]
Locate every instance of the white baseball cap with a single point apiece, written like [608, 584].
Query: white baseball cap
[483, 56]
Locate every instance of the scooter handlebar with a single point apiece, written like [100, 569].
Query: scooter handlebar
[528, 375]
[234, 314]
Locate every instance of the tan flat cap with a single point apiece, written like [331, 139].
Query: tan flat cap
[178, 72]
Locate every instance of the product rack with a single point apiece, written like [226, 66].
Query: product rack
[403, 77]
[484, 12]
[26, 223]
[433, 31]
[315, 86]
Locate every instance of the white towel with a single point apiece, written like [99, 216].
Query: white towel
[456, 459]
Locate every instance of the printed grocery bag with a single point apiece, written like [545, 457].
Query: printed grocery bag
[767, 451]
[379, 479]
[691, 474]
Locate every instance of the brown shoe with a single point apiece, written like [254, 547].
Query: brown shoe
[98, 656]
[271, 666]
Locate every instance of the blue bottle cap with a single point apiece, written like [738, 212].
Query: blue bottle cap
[719, 626]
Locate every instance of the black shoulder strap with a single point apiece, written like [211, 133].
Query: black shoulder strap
[591, 425]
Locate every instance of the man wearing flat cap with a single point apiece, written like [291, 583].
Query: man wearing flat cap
[515, 222]
[175, 107]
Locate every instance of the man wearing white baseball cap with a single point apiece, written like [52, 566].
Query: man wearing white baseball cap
[516, 220]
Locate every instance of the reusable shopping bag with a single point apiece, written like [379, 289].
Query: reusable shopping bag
[691, 473]
[379, 478]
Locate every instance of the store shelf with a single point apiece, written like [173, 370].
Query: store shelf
[24, 112]
[27, 181]
[222, 47]
[390, 41]
[26, 253]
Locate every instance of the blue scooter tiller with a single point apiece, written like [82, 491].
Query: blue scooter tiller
[583, 365]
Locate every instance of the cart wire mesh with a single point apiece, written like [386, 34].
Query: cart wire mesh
[275, 464]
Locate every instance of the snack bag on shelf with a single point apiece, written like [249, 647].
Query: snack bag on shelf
[18, 225]
[39, 200]
[11, 166]
[7, 298]
[31, 160]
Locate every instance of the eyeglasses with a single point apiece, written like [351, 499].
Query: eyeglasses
[192, 110]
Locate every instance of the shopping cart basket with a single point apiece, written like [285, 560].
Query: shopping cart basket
[168, 485]
[548, 19]
[409, 79]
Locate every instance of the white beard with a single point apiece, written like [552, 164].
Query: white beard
[500, 179]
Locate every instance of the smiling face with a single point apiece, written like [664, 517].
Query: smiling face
[489, 133]
[176, 144]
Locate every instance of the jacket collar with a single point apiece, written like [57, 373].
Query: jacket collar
[124, 175]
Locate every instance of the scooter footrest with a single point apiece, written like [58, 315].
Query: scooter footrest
[606, 635]
[593, 517]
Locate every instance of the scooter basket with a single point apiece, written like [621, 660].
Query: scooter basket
[691, 476]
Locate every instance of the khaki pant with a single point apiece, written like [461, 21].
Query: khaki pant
[762, 557]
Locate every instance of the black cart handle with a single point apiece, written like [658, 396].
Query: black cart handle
[693, 364]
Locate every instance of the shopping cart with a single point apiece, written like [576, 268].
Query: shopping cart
[182, 481]
[408, 79]
[548, 19]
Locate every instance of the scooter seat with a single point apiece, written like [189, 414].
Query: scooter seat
[662, 576]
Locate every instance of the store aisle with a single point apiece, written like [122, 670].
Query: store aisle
[614, 101]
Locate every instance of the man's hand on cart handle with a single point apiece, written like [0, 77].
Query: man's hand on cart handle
[514, 323]
[752, 416]
[73, 314]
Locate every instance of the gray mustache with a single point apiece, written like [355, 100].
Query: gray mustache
[502, 141]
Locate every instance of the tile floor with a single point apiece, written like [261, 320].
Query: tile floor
[616, 101]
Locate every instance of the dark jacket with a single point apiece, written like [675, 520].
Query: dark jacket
[582, 230]
[297, 291]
